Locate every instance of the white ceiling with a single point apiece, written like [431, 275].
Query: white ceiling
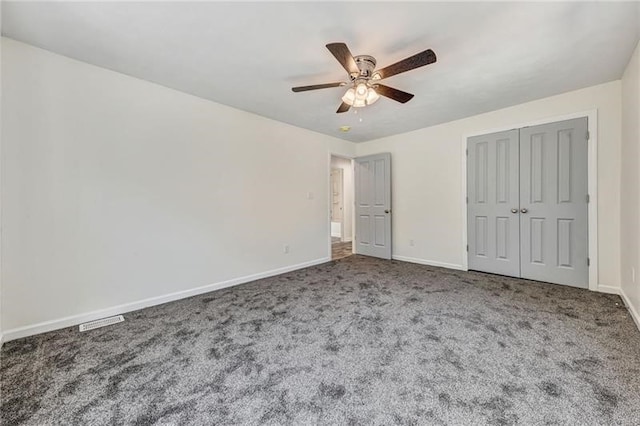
[249, 55]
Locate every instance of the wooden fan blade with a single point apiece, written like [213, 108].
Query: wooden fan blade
[416, 61]
[344, 107]
[317, 86]
[395, 94]
[344, 56]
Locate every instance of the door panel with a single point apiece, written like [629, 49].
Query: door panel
[379, 223]
[536, 237]
[565, 236]
[502, 170]
[502, 237]
[481, 236]
[373, 205]
[493, 191]
[553, 170]
[536, 171]
[481, 170]
[363, 228]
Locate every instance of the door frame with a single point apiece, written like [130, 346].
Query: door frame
[342, 233]
[352, 189]
[592, 183]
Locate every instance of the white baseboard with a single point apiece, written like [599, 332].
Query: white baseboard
[73, 320]
[429, 262]
[631, 308]
[608, 289]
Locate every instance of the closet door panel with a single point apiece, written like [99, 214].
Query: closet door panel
[553, 202]
[493, 196]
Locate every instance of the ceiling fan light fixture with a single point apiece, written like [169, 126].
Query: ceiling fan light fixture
[372, 96]
[357, 103]
[349, 97]
[353, 98]
[361, 90]
[359, 96]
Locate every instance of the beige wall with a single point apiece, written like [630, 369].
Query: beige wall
[427, 177]
[630, 188]
[1, 334]
[118, 193]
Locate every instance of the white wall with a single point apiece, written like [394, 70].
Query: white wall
[117, 190]
[347, 176]
[1, 334]
[427, 187]
[630, 190]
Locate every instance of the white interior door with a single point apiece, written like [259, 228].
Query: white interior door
[553, 203]
[493, 204]
[373, 205]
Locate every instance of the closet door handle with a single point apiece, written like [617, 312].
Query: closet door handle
[524, 211]
[514, 211]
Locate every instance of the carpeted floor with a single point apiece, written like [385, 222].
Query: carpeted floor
[354, 341]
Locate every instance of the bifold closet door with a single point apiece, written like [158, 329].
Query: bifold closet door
[493, 229]
[553, 203]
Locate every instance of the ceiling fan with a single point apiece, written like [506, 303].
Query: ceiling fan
[363, 78]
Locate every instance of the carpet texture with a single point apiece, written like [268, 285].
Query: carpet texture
[354, 341]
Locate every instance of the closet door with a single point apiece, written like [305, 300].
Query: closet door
[553, 203]
[493, 203]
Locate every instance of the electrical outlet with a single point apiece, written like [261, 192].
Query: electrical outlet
[285, 249]
[309, 195]
[412, 243]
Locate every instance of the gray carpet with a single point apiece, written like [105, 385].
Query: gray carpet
[355, 341]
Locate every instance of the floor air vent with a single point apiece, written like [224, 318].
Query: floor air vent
[101, 323]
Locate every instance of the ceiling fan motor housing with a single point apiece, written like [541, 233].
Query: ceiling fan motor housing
[366, 64]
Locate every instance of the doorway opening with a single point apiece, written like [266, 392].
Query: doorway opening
[341, 207]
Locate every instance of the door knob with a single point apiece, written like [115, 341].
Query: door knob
[387, 211]
[524, 210]
[514, 211]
